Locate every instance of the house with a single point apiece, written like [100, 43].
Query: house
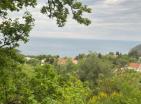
[135, 66]
[43, 62]
[64, 60]
[74, 61]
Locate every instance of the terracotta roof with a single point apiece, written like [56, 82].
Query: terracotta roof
[134, 65]
[74, 61]
[62, 61]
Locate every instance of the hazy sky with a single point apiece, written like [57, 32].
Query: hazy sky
[111, 19]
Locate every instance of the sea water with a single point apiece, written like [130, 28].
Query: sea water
[73, 47]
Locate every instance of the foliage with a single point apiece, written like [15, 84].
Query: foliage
[124, 89]
[67, 69]
[92, 68]
[13, 31]
[49, 87]
[34, 62]
[25, 84]
[42, 85]
[10, 58]
[135, 51]
[92, 81]
[59, 9]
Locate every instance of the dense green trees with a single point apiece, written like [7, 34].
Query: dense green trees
[51, 88]
[12, 80]
[41, 85]
[10, 57]
[92, 68]
[122, 88]
[92, 81]
[24, 84]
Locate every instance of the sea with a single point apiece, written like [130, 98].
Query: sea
[73, 47]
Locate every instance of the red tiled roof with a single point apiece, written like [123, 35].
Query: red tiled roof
[134, 65]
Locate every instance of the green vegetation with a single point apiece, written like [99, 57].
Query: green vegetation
[94, 80]
[27, 82]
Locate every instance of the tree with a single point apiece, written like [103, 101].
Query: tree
[12, 31]
[18, 86]
[93, 68]
[49, 87]
[134, 53]
[13, 81]
[123, 88]
[9, 58]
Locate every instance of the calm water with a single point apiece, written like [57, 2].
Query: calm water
[72, 47]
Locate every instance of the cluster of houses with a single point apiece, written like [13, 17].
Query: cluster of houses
[61, 60]
[64, 60]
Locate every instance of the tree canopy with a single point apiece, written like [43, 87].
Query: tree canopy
[12, 31]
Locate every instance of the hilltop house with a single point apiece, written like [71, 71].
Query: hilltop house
[135, 66]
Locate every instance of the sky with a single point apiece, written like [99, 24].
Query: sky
[111, 20]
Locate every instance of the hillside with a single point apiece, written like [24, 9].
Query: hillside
[135, 51]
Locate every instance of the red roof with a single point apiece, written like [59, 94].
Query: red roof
[134, 65]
